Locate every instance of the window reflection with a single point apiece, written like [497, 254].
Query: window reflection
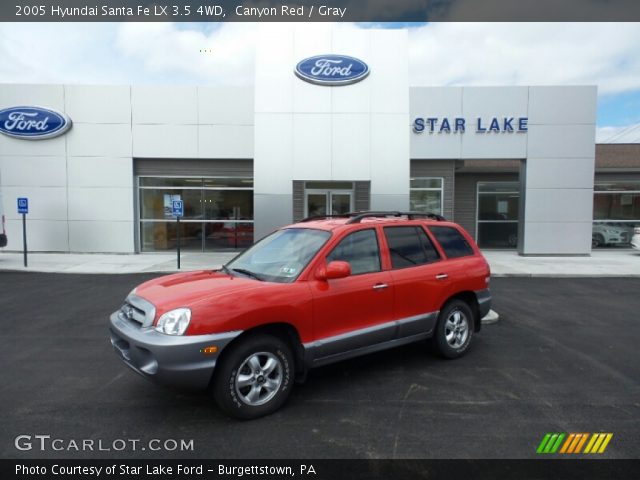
[616, 213]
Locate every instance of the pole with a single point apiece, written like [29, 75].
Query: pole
[24, 238]
[178, 240]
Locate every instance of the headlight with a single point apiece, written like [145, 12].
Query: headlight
[174, 322]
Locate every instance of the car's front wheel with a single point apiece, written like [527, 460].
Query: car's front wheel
[454, 329]
[255, 377]
[597, 240]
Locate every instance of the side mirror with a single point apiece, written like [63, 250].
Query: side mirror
[335, 269]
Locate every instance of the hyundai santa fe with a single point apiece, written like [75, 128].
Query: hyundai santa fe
[316, 292]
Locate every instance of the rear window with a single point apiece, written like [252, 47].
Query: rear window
[452, 242]
[409, 246]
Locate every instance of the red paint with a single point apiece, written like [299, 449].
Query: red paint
[317, 306]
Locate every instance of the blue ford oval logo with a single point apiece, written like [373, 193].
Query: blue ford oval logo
[332, 70]
[33, 122]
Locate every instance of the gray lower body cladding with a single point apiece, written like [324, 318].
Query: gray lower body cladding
[484, 301]
[369, 340]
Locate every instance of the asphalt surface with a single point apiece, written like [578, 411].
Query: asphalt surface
[564, 357]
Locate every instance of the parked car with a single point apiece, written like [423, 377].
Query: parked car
[635, 240]
[607, 234]
[312, 293]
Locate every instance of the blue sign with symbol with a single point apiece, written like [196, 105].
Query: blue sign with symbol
[177, 207]
[23, 205]
[332, 70]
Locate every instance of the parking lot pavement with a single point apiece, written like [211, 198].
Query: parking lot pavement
[564, 357]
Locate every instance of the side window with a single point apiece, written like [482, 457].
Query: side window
[409, 246]
[360, 249]
[452, 242]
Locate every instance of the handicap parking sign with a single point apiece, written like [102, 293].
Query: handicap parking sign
[177, 207]
[23, 205]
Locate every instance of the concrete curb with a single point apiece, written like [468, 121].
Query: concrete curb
[490, 318]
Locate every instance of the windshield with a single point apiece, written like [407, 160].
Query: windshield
[281, 256]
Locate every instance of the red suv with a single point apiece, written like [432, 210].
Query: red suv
[312, 293]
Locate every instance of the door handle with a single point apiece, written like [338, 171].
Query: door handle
[442, 276]
[380, 286]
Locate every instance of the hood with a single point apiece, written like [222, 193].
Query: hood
[186, 289]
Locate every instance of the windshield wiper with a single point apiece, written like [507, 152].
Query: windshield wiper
[226, 270]
[248, 273]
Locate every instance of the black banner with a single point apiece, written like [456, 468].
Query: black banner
[318, 10]
[321, 469]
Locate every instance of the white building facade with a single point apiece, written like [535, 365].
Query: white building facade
[514, 165]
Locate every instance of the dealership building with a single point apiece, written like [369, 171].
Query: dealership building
[517, 166]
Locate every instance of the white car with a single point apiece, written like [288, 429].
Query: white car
[635, 240]
[607, 234]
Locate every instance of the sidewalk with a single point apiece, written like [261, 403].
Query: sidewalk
[601, 263]
[604, 263]
[112, 263]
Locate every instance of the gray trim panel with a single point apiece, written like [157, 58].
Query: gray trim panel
[484, 301]
[370, 339]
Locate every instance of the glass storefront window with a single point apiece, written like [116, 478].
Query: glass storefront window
[426, 195]
[498, 211]
[218, 213]
[234, 235]
[158, 236]
[155, 203]
[616, 212]
[228, 204]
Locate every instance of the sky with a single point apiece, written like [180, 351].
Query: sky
[441, 54]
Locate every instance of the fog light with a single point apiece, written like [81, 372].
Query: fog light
[209, 350]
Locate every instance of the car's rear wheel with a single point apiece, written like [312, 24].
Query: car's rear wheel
[454, 329]
[255, 377]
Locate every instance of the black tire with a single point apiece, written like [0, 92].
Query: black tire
[234, 369]
[456, 345]
[597, 240]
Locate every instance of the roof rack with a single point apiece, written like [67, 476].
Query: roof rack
[357, 217]
[323, 217]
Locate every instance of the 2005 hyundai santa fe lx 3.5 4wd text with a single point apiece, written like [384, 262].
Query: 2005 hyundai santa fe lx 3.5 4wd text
[312, 293]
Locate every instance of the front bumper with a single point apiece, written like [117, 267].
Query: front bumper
[167, 359]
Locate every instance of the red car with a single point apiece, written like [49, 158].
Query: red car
[312, 293]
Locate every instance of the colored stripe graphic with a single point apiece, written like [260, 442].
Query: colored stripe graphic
[581, 442]
[543, 443]
[550, 443]
[574, 443]
[598, 442]
[567, 443]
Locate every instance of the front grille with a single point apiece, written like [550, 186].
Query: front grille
[137, 311]
[132, 313]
